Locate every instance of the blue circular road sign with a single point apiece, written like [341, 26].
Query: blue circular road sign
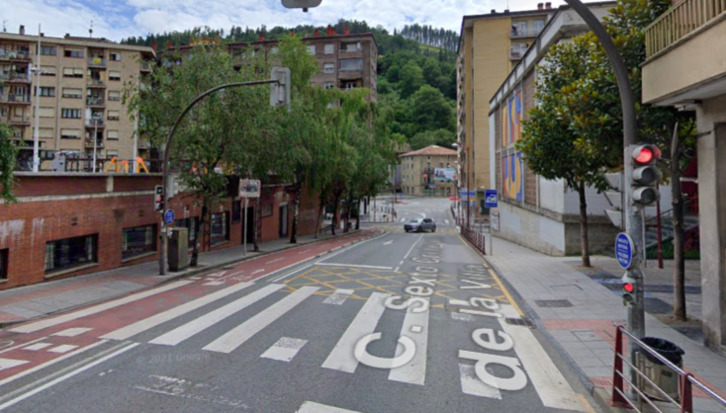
[169, 216]
[624, 250]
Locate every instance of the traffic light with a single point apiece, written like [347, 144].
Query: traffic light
[645, 174]
[158, 198]
[628, 289]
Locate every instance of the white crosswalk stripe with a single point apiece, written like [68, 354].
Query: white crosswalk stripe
[239, 335]
[312, 407]
[342, 358]
[285, 349]
[193, 327]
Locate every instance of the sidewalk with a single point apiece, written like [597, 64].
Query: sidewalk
[24, 303]
[578, 313]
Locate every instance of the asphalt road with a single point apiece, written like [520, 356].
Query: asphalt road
[402, 322]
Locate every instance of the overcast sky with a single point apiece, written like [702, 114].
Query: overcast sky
[116, 19]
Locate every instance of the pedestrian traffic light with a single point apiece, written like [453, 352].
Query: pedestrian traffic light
[646, 174]
[628, 289]
[158, 198]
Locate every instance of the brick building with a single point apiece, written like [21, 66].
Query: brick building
[72, 224]
[429, 171]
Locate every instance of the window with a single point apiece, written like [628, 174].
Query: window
[112, 135]
[71, 113]
[70, 252]
[70, 134]
[311, 50]
[47, 70]
[329, 85]
[46, 133]
[113, 115]
[219, 225]
[138, 241]
[46, 112]
[4, 264]
[72, 93]
[114, 75]
[329, 49]
[350, 65]
[351, 47]
[73, 53]
[114, 95]
[116, 57]
[18, 111]
[192, 224]
[46, 91]
[73, 72]
[350, 84]
[329, 68]
[48, 50]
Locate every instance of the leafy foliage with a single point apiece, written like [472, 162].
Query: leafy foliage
[8, 156]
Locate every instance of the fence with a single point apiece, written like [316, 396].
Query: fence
[680, 20]
[686, 381]
[474, 237]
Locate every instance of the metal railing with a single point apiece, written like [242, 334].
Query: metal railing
[11, 98]
[96, 61]
[686, 380]
[96, 83]
[475, 238]
[680, 20]
[95, 101]
[15, 55]
[94, 123]
[14, 76]
[516, 34]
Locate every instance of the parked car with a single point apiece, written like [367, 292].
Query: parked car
[420, 224]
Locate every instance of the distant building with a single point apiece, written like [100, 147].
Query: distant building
[80, 91]
[489, 47]
[429, 171]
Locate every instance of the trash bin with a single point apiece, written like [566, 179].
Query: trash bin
[178, 246]
[660, 374]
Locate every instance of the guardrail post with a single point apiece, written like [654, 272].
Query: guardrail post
[686, 394]
[617, 398]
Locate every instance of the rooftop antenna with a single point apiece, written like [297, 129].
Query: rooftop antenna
[90, 30]
[4, 28]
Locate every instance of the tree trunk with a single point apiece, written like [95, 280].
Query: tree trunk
[679, 270]
[200, 234]
[348, 204]
[319, 216]
[336, 199]
[584, 242]
[256, 225]
[357, 215]
[296, 212]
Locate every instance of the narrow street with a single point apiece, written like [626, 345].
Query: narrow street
[402, 322]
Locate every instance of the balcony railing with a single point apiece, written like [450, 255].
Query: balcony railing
[145, 66]
[97, 61]
[11, 98]
[517, 34]
[515, 54]
[15, 55]
[680, 20]
[14, 76]
[90, 123]
[89, 143]
[96, 83]
[25, 120]
[95, 101]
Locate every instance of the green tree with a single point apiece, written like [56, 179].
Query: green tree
[8, 156]
[411, 79]
[430, 110]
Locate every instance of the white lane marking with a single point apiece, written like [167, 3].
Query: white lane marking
[72, 332]
[51, 362]
[10, 363]
[243, 332]
[416, 327]
[551, 386]
[294, 272]
[37, 346]
[303, 252]
[471, 385]
[213, 283]
[258, 271]
[67, 376]
[7, 349]
[153, 321]
[338, 297]
[374, 267]
[312, 407]
[195, 278]
[411, 249]
[284, 349]
[388, 242]
[364, 323]
[216, 274]
[195, 326]
[275, 260]
[396, 269]
[62, 349]
[39, 325]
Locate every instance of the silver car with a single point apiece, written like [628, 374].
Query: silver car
[419, 225]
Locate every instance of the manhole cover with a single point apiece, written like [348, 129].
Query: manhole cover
[520, 322]
[553, 303]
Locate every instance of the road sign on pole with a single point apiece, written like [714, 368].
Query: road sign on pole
[249, 188]
[624, 250]
[490, 198]
[169, 216]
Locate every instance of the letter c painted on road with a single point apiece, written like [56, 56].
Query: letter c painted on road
[362, 355]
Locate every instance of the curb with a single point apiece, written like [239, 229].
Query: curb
[189, 273]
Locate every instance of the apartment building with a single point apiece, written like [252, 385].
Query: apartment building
[490, 45]
[429, 171]
[81, 82]
[685, 68]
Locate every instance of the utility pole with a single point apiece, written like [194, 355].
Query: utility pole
[36, 144]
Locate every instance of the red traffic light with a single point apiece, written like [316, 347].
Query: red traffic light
[426, 176]
[645, 154]
[628, 287]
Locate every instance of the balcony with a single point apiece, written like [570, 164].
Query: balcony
[11, 98]
[14, 77]
[683, 60]
[94, 101]
[15, 55]
[19, 121]
[99, 62]
[521, 34]
[516, 54]
[91, 123]
[96, 83]
[145, 66]
[89, 143]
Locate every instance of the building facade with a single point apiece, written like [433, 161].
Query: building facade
[686, 68]
[79, 99]
[489, 47]
[428, 171]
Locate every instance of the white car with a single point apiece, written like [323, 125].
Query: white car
[420, 225]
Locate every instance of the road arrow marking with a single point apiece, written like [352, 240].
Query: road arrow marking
[388, 242]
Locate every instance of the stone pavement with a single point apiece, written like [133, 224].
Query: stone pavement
[23, 303]
[579, 314]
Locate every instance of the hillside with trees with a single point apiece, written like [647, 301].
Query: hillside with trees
[416, 71]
